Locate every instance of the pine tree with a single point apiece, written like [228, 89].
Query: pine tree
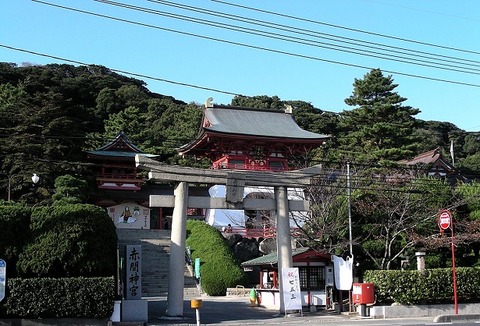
[380, 127]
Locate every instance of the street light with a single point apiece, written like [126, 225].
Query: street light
[35, 179]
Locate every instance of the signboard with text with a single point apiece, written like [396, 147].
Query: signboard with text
[133, 272]
[444, 219]
[130, 216]
[3, 278]
[292, 296]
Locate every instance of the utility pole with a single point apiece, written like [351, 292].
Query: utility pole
[349, 230]
[349, 210]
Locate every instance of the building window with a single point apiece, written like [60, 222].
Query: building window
[276, 165]
[237, 164]
[312, 278]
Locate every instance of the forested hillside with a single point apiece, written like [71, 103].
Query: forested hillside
[52, 114]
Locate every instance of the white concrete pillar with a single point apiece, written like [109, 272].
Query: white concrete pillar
[176, 279]
[420, 260]
[284, 239]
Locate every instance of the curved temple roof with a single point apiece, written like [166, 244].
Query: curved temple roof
[249, 121]
[231, 121]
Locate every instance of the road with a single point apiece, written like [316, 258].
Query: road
[237, 311]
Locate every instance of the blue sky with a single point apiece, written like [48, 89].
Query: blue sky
[184, 52]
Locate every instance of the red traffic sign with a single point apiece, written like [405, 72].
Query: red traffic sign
[444, 219]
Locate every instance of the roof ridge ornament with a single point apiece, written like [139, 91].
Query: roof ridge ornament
[288, 109]
[208, 102]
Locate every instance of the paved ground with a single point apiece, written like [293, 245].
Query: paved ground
[238, 311]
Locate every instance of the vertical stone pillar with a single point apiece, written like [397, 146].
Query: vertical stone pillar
[420, 260]
[284, 240]
[176, 279]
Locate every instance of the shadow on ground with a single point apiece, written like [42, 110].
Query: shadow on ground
[217, 310]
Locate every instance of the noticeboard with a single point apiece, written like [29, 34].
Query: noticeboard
[3, 278]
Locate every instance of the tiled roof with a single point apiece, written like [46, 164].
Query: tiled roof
[120, 147]
[255, 122]
[272, 258]
[119, 154]
[429, 157]
[433, 157]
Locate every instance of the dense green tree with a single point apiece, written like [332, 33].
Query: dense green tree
[379, 127]
[70, 190]
[259, 102]
[70, 240]
[14, 233]
[177, 126]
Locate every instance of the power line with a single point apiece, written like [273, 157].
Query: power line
[348, 28]
[121, 71]
[250, 46]
[301, 41]
[313, 33]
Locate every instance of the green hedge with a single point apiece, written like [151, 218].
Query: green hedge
[219, 269]
[14, 233]
[69, 240]
[429, 286]
[59, 298]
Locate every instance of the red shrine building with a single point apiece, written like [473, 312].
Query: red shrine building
[240, 138]
[121, 189]
[231, 137]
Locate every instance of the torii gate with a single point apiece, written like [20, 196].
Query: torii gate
[235, 181]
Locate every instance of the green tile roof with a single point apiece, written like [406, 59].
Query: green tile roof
[119, 154]
[271, 259]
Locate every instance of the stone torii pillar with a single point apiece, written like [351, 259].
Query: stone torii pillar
[284, 239]
[176, 277]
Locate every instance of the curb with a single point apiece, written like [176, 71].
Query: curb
[452, 318]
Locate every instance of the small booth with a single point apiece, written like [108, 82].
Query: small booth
[315, 273]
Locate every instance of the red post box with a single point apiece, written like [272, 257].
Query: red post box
[363, 293]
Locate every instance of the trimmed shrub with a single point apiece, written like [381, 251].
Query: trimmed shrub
[14, 233]
[219, 269]
[70, 240]
[60, 298]
[429, 286]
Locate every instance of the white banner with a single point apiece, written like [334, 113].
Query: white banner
[292, 296]
[343, 272]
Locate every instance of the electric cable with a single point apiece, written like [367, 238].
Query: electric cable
[254, 46]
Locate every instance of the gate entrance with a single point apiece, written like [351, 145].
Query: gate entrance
[235, 182]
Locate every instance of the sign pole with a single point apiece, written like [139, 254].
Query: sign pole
[445, 221]
[454, 273]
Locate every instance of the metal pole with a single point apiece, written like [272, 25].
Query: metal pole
[454, 271]
[9, 187]
[349, 210]
[197, 314]
[349, 230]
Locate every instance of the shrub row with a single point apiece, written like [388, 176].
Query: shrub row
[219, 269]
[429, 286]
[59, 298]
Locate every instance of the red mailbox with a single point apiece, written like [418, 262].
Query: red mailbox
[363, 293]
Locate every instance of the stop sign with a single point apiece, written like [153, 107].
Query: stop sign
[444, 219]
